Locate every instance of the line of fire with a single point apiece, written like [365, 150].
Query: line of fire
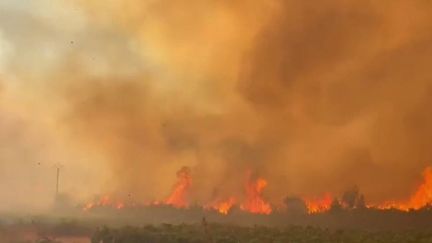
[255, 202]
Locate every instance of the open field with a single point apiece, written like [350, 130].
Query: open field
[232, 234]
[216, 233]
[162, 224]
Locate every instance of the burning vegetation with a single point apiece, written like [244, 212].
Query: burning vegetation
[317, 205]
[236, 110]
[301, 93]
[178, 196]
[419, 199]
[223, 206]
[254, 200]
[104, 201]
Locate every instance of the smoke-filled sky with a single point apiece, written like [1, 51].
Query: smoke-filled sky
[314, 96]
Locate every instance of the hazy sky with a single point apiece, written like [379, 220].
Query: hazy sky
[314, 97]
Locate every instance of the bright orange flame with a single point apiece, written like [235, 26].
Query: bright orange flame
[254, 202]
[223, 207]
[319, 205]
[178, 196]
[421, 198]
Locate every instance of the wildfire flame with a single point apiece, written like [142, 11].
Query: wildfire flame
[423, 196]
[318, 205]
[178, 196]
[104, 201]
[420, 198]
[254, 202]
[224, 206]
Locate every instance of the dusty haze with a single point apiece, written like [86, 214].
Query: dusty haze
[314, 97]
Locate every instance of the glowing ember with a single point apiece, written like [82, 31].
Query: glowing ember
[104, 201]
[120, 205]
[319, 205]
[387, 205]
[223, 207]
[178, 196]
[254, 202]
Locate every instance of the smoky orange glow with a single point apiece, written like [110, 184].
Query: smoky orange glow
[223, 206]
[422, 196]
[178, 196]
[254, 201]
[303, 94]
[104, 201]
[318, 205]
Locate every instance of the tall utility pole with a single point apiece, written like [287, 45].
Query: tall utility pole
[58, 167]
[57, 182]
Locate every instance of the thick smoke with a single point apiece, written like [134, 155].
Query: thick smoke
[314, 97]
[343, 88]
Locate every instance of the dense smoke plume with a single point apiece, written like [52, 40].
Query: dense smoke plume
[315, 97]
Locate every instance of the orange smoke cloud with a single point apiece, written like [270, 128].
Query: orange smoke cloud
[307, 106]
[303, 93]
